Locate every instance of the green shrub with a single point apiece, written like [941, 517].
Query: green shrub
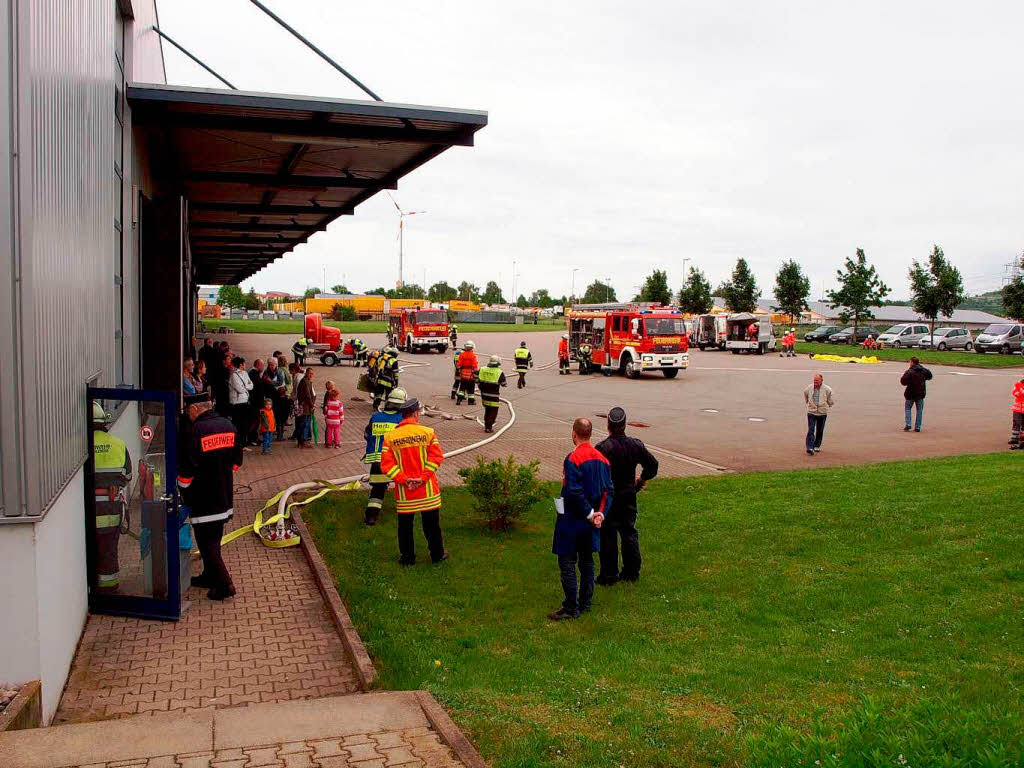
[502, 490]
[343, 313]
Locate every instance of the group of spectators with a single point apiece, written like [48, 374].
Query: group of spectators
[259, 399]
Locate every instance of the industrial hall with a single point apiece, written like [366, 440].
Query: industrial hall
[121, 194]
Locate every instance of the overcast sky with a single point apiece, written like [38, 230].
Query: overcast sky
[628, 136]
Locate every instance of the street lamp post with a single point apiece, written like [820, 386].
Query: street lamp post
[572, 284]
[608, 289]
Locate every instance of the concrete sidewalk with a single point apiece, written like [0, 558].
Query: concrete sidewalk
[370, 731]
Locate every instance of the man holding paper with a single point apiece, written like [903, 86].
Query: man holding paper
[587, 492]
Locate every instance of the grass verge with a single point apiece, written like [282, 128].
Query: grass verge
[371, 326]
[782, 619]
[927, 357]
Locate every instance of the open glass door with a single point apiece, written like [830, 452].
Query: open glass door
[135, 562]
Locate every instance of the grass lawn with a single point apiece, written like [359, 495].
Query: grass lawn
[372, 326]
[927, 357]
[838, 615]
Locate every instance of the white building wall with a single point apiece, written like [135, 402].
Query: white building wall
[62, 118]
[19, 638]
[61, 589]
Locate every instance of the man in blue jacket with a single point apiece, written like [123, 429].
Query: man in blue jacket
[587, 492]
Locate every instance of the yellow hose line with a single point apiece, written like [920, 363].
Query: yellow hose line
[350, 483]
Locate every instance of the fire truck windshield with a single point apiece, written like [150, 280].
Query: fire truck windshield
[665, 326]
[432, 317]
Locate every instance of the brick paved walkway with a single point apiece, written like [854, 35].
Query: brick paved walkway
[369, 731]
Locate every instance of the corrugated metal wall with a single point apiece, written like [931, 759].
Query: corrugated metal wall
[67, 236]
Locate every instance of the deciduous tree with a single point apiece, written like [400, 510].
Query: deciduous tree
[655, 288]
[792, 287]
[598, 292]
[741, 292]
[468, 292]
[695, 295]
[492, 294]
[441, 291]
[230, 296]
[860, 288]
[936, 287]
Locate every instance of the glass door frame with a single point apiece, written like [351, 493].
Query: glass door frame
[169, 608]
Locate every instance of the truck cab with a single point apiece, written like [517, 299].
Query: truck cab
[739, 339]
[632, 340]
[325, 340]
[419, 329]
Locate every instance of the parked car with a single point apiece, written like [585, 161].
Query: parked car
[948, 338]
[903, 335]
[1000, 337]
[845, 336]
[822, 332]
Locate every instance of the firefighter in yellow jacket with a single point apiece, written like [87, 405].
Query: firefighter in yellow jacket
[410, 458]
[112, 472]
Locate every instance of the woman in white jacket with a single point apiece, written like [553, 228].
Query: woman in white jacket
[239, 385]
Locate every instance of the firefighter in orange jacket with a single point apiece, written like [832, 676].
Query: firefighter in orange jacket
[468, 369]
[1017, 427]
[410, 458]
[563, 355]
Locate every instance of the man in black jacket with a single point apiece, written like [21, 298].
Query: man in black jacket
[624, 454]
[210, 453]
[914, 379]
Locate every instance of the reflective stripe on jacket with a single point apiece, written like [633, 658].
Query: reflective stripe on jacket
[412, 452]
[523, 359]
[380, 423]
[492, 379]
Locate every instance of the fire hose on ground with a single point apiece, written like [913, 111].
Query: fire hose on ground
[349, 483]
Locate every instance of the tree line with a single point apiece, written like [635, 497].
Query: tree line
[936, 288]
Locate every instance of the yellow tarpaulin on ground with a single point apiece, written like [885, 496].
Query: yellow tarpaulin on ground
[841, 359]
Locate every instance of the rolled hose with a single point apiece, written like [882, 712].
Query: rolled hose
[326, 486]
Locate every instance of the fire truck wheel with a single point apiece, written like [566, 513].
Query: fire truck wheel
[329, 360]
[701, 346]
[670, 373]
[761, 348]
[630, 369]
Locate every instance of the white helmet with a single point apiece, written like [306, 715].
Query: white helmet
[565, 335]
[470, 345]
[495, 360]
[397, 397]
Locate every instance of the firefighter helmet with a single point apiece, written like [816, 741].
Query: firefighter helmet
[565, 335]
[470, 345]
[397, 397]
[390, 349]
[100, 418]
[495, 360]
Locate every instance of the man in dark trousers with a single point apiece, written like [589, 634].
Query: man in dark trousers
[624, 454]
[211, 451]
[914, 379]
[587, 494]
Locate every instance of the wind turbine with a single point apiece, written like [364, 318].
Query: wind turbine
[401, 229]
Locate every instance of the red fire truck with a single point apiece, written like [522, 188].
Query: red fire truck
[632, 338]
[414, 329]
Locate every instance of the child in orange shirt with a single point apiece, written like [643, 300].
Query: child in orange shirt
[268, 428]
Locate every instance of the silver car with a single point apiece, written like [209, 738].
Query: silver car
[948, 338]
[903, 335]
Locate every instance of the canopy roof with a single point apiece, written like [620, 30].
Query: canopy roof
[262, 172]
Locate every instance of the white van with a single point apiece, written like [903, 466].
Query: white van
[903, 335]
[1000, 337]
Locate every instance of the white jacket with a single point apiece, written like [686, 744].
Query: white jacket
[239, 386]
